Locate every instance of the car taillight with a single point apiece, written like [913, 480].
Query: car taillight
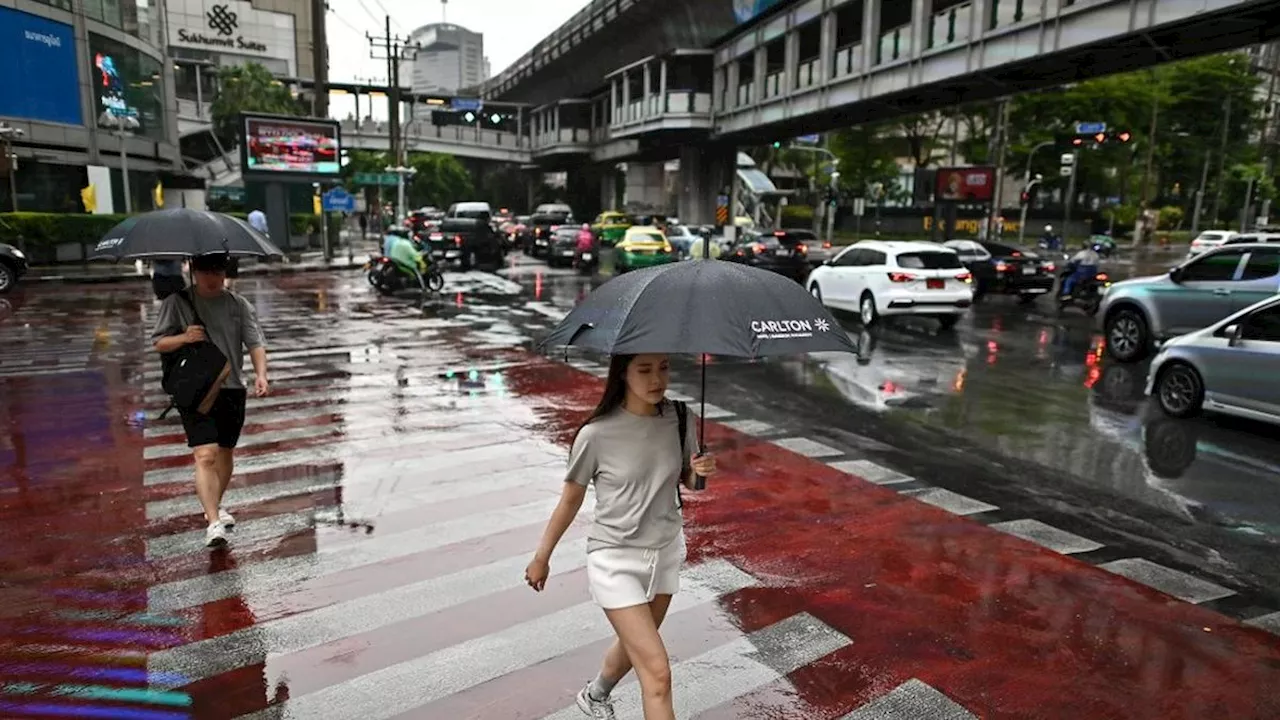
[826, 246]
[802, 249]
[1102, 276]
[901, 277]
[666, 247]
[1050, 267]
[965, 276]
[1002, 266]
[437, 236]
[457, 240]
[555, 228]
[758, 248]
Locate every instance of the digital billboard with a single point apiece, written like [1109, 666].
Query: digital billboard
[747, 10]
[38, 79]
[126, 84]
[966, 184]
[277, 145]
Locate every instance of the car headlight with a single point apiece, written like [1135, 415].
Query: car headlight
[19, 254]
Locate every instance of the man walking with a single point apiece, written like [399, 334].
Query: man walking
[230, 323]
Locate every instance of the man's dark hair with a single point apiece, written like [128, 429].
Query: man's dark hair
[211, 262]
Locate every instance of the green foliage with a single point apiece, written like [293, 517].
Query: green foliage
[797, 216]
[1170, 218]
[247, 88]
[864, 158]
[440, 181]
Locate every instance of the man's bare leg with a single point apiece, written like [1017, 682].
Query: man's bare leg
[226, 464]
[209, 484]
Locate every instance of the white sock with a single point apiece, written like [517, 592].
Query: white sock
[600, 688]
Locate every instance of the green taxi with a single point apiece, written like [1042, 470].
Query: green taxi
[642, 246]
[611, 226]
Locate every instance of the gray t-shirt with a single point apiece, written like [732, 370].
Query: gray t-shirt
[635, 463]
[229, 321]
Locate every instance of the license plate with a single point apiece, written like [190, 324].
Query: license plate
[782, 252]
[566, 253]
[586, 256]
[1028, 271]
[437, 253]
[935, 283]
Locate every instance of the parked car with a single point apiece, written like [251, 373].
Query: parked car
[884, 278]
[466, 241]
[13, 265]
[1137, 313]
[777, 251]
[642, 246]
[1208, 240]
[1002, 269]
[545, 221]
[681, 239]
[1228, 367]
[819, 250]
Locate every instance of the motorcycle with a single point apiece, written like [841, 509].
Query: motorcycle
[1087, 293]
[388, 278]
[587, 260]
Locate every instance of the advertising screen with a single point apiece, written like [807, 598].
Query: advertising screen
[966, 184]
[291, 146]
[746, 10]
[126, 87]
[38, 80]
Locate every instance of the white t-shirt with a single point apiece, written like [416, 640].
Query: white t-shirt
[635, 463]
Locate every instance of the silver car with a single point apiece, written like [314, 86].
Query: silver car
[1229, 367]
[1137, 313]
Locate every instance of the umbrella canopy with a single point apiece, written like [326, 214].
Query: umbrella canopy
[696, 307]
[181, 233]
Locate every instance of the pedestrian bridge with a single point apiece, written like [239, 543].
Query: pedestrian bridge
[814, 65]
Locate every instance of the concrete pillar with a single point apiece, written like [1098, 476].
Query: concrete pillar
[614, 116]
[626, 96]
[648, 90]
[662, 86]
[645, 187]
[870, 33]
[827, 46]
[761, 66]
[921, 14]
[790, 61]
[705, 172]
[609, 188]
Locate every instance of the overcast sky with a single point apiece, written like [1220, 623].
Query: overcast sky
[510, 27]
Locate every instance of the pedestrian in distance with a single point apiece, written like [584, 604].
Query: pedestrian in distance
[630, 447]
[228, 321]
[167, 277]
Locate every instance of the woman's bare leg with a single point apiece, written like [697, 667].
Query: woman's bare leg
[638, 634]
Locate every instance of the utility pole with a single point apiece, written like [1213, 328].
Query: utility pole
[394, 49]
[1222, 162]
[319, 59]
[1070, 199]
[997, 226]
[1204, 181]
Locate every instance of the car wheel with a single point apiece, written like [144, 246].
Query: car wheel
[867, 310]
[1179, 390]
[816, 292]
[8, 278]
[948, 321]
[1128, 339]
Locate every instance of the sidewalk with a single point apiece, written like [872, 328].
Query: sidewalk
[309, 261]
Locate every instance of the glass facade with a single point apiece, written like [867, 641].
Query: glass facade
[46, 187]
[136, 17]
[127, 88]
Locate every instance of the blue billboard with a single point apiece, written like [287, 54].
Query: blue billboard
[746, 10]
[38, 72]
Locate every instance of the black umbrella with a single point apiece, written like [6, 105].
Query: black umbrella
[181, 233]
[702, 307]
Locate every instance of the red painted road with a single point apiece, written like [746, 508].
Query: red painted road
[109, 605]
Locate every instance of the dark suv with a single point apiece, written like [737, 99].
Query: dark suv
[777, 251]
[13, 265]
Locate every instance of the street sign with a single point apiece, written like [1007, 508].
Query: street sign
[1068, 158]
[1065, 170]
[374, 179]
[859, 206]
[1090, 128]
[809, 139]
[339, 200]
[473, 104]
[722, 200]
[722, 215]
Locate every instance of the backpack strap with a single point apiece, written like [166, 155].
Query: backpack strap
[682, 421]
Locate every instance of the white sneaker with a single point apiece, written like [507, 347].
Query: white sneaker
[598, 709]
[226, 519]
[215, 535]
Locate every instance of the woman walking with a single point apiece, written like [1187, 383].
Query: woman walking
[630, 447]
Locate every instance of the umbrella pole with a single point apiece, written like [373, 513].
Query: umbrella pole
[700, 482]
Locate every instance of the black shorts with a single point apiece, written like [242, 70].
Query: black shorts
[166, 285]
[221, 426]
[233, 268]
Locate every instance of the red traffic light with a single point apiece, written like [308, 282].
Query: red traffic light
[1124, 136]
[1100, 138]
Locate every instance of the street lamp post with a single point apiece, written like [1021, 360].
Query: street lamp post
[7, 134]
[401, 171]
[831, 207]
[1022, 227]
[1026, 205]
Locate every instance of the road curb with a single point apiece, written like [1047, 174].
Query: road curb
[123, 277]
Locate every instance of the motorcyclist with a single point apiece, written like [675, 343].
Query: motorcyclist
[1083, 265]
[1050, 239]
[405, 254]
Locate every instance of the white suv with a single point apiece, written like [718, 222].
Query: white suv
[881, 278]
[1208, 240]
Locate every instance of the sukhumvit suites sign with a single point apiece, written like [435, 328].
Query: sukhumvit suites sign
[234, 27]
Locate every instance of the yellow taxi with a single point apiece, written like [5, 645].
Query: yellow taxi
[642, 246]
[611, 226]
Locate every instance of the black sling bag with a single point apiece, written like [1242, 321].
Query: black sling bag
[193, 374]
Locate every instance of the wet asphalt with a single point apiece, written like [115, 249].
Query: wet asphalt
[427, 420]
[1018, 406]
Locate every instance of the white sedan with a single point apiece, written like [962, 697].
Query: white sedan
[877, 279]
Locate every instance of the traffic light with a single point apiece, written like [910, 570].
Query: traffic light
[1100, 138]
[1122, 136]
[1025, 198]
[777, 144]
[1077, 140]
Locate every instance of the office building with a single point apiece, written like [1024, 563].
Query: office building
[448, 58]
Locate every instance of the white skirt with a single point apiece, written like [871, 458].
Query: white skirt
[622, 577]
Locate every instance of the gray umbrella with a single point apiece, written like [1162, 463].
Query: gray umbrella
[182, 233]
[701, 307]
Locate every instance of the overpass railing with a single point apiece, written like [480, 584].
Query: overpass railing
[424, 130]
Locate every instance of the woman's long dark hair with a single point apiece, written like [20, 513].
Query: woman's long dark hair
[615, 391]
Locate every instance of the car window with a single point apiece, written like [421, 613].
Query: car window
[1262, 264]
[1263, 325]
[929, 260]
[1001, 250]
[1212, 268]
[645, 237]
[874, 258]
[1241, 239]
[849, 258]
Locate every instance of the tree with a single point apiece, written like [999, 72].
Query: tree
[440, 180]
[865, 158]
[247, 88]
[920, 135]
